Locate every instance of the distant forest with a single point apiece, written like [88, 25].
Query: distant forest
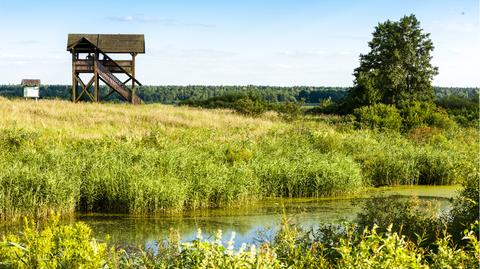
[175, 94]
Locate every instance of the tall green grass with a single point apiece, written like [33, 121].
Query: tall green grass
[179, 159]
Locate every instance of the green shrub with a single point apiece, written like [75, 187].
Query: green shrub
[250, 107]
[410, 217]
[56, 246]
[295, 249]
[465, 209]
[288, 110]
[447, 254]
[378, 250]
[327, 106]
[417, 114]
[224, 101]
[247, 104]
[424, 135]
[408, 116]
[464, 110]
[379, 116]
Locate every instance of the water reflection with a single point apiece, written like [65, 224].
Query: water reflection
[248, 221]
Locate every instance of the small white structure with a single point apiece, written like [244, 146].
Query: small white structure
[31, 88]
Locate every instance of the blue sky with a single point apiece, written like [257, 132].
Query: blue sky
[262, 42]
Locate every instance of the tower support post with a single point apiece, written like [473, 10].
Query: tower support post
[74, 77]
[96, 80]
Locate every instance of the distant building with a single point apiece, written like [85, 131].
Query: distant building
[31, 88]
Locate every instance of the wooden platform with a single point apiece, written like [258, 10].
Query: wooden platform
[89, 56]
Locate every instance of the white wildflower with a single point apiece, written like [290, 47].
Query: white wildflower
[199, 234]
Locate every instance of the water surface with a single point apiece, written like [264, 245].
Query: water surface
[253, 221]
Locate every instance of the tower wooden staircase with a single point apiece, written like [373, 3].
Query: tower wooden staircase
[95, 47]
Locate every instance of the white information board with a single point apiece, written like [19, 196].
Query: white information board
[31, 92]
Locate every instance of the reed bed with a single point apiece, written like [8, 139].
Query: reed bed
[152, 159]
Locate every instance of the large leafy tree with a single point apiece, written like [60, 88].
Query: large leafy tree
[397, 68]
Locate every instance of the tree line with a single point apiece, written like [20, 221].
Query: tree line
[175, 94]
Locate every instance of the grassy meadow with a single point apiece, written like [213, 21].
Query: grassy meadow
[150, 159]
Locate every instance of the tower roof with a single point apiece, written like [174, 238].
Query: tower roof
[30, 82]
[107, 43]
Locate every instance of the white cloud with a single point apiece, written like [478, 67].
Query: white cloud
[163, 21]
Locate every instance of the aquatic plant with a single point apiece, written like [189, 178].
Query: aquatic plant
[72, 246]
[153, 159]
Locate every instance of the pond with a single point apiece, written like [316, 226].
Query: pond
[252, 221]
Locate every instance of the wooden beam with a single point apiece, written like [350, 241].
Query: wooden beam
[120, 67]
[110, 93]
[133, 76]
[74, 80]
[125, 99]
[126, 81]
[86, 88]
[95, 76]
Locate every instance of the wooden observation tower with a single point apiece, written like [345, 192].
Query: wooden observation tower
[89, 56]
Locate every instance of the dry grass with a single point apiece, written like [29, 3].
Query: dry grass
[93, 120]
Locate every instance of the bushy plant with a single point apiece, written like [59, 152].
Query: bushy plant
[377, 250]
[294, 248]
[464, 110]
[465, 209]
[416, 114]
[379, 116]
[289, 110]
[250, 107]
[55, 246]
[447, 254]
[406, 117]
[424, 135]
[327, 106]
[223, 101]
[413, 218]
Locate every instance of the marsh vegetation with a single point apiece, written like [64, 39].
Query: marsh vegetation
[155, 158]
